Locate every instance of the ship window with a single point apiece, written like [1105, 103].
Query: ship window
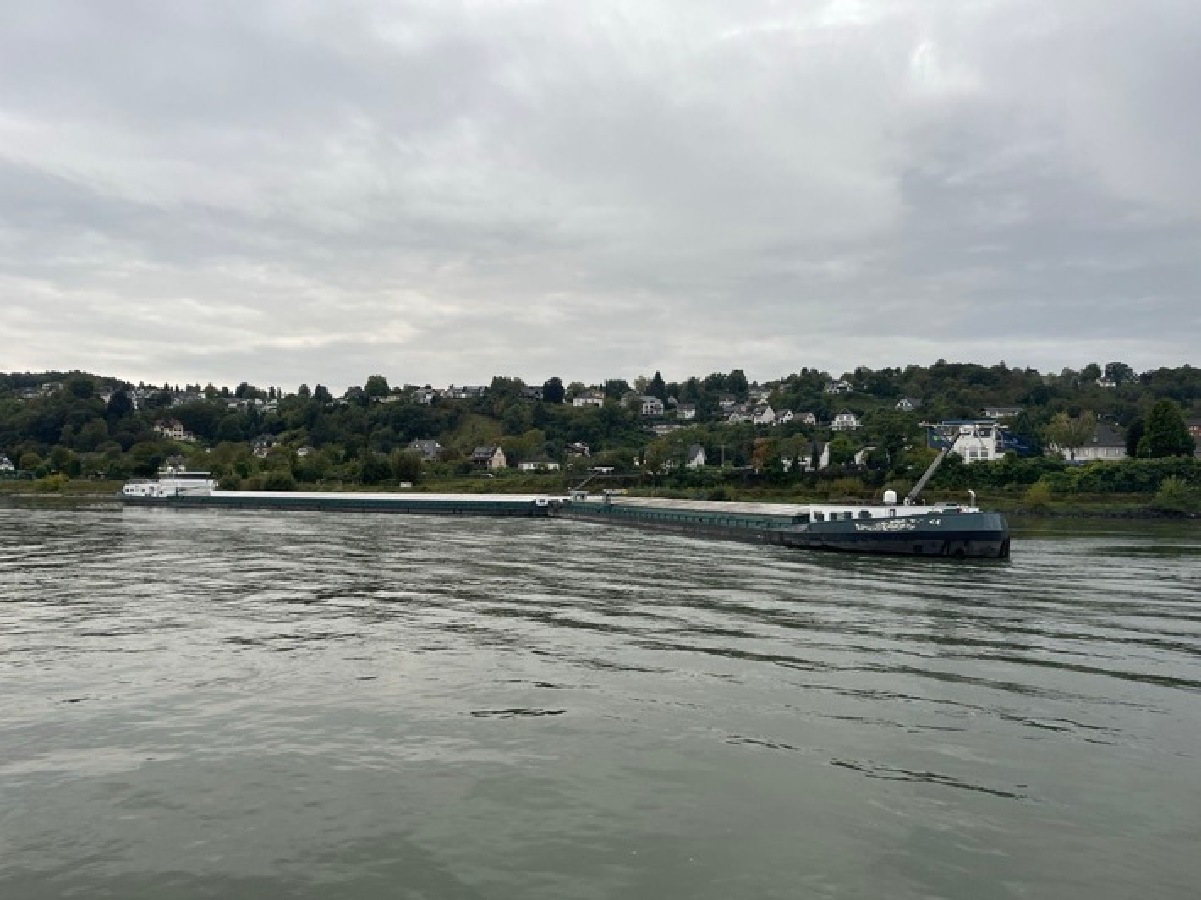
[848, 515]
[864, 514]
[819, 517]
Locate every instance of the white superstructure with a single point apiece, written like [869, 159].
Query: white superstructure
[172, 482]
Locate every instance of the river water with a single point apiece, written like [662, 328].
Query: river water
[240, 704]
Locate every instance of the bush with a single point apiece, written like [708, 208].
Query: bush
[51, 483]
[1175, 495]
[1038, 495]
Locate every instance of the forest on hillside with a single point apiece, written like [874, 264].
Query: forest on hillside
[80, 425]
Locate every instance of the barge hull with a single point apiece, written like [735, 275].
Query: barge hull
[410, 505]
[958, 536]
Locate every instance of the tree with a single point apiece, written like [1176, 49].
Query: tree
[376, 386]
[1069, 434]
[322, 395]
[1119, 372]
[657, 388]
[552, 390]
[304, 392]
[405, 464]
[119, 405]
[1166, 433]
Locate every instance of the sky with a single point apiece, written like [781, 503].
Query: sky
[441, 191]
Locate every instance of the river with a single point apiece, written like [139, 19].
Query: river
[243, 704]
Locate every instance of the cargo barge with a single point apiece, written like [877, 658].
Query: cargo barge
[891, 528]
[899, 529]
[182, 489]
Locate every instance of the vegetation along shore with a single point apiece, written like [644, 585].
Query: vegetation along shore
[1101, 441]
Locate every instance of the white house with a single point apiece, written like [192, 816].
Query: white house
[978, 442]
[806, 418]
[841, 386]
[1105, 444]
[588, 398]
[908, 404]
[696, 457]
[686, 411]
[6, 465]
[763, 415]
[173, 429]
[651, 406]
[845, 421]
[784, 416]
[1106, 382]
[425, 395]
[538, 465]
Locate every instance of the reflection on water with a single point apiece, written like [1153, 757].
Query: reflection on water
[240, 704]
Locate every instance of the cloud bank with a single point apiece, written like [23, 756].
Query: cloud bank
[443, 191]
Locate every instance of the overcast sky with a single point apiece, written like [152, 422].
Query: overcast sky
[291, 191]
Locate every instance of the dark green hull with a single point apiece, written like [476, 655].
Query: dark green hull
[958, 535]
[412, 504]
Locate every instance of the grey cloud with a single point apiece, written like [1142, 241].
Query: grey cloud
[447, 191]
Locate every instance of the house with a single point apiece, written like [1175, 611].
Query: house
[491, 458]
[763, 415]
[759, 394]
[841, 386]
[538, 465]
[429, 451]
[588, 398]
[686, 412]
[806, 418]
[695, 458]
[976, 440]
[532, 392]
[908, 404]
[739, 414]
[1194, 428]
[845, 421]
[174, 430]
[263, 445]
[1001, 412]
[784, 416]
[1106, 443]
[6, 465]
[578, 450]
[651, 406]
[425, 395]
[604, 470]
[1106, 382]
[662, 429]
[302, 452]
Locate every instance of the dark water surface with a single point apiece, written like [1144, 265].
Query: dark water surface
[240, 704]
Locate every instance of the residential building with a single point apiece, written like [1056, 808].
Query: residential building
[1107, 443]
[532, 392]
[908, 404]
[588, 398]
[845, 421]
[651, 406]
[302, 452]
[1194, 428]
[806, 418]
[739, 414]
[491, 458]
[975, 440]
[1001, 412]
[538, 465]
[763, 415]
[174, 430]
[578, 450]
[1106, 382]
[425, 395]
[841, 386]
[784, 416]
[695, 458]
[6, 465]
[429, 451]
[665, 428]
[686, 412]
